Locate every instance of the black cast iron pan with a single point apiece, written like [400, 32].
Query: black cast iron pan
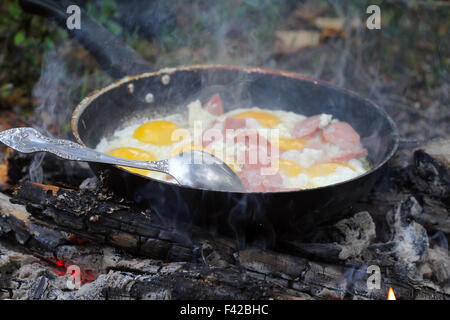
[262, 214]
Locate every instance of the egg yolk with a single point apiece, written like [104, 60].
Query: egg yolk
[156, 132]
[133, 154]
[290, 143]
[324, 169]
[265, 119]
[290, 168]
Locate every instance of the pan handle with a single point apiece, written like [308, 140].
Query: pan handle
[405, 143]
[113, 55]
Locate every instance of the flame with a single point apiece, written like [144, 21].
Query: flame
[391, 295]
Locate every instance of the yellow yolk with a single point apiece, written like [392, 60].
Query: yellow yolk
[265, 119]
[156, 132]
[290, 168]
[324, 169]
[133, 154]
[290, 143]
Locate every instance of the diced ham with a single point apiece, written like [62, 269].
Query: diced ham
[257, 148]
[254, 181]
[214, 105]
[209, 134]
[315, 144]
[273, 182]
[307, 127]
[347, 156]
[234, 123]
[253, 139]
[231, 123]
[342, 135]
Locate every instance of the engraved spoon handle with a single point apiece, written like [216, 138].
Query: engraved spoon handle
[29, 140]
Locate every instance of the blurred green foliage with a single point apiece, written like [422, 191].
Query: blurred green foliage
[24, 38]
[222, 29]
[105, 13]
[413, 39]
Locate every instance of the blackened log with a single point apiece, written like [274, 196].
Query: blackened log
[295, 275]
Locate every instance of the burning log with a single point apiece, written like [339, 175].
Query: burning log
[69, 226]
[432, 183]
[51, 209]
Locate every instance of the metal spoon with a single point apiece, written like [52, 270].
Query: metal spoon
[196, 169]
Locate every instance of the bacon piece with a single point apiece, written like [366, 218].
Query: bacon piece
[231, 123]
[210, 134]
[307, 127]
[234, 123]
[257, 148]
[214, 105]
[315, 144]
[342, 135]
[345, 157]
[273, 182]
[254, 181]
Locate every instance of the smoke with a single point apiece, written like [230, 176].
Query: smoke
[53, 91]
[439, 239]
[206, 32]
[56, 94]
[240, 32]
[35, 171]
[53, 97]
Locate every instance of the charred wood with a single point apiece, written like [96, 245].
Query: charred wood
[402, 227]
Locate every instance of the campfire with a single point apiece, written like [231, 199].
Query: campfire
[67, 233]
[58, 232]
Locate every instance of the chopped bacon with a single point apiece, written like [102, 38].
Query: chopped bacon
[342, 135]
[307, 127]
[249, 137]
[254, 181]
[234, 123]
[210, 134]
[257, 148]
[315, 144]
[214, 105]
[257, 155]
[345, 157]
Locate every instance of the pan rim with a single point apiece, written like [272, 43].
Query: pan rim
[85, 102]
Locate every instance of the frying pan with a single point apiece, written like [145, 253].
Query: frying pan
[264, 215]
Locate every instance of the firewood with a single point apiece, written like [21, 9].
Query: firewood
[159, 261]
[53, 209]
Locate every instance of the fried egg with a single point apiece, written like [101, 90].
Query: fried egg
[158, 132]
[299, 164]
[133, 154]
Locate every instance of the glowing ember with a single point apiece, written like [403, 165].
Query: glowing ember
[74, 239]
[86, 276]
[391, 295]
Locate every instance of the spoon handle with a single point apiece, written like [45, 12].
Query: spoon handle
[29, 140]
